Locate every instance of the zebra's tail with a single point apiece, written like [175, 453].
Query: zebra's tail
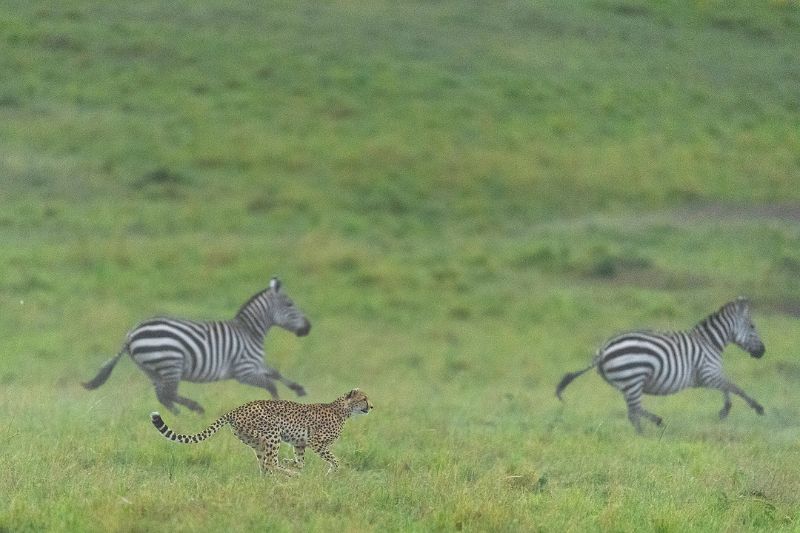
[106, 369]
[187, 439]
[567, 379]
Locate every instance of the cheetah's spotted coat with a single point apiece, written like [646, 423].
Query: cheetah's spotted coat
[263, 424]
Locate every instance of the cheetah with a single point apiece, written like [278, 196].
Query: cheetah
[263, 424]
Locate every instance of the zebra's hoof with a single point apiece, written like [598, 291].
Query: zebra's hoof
[299, 390]
[758, 409]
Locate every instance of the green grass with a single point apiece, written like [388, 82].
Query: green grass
[465, 198]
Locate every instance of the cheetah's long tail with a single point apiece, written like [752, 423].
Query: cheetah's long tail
[187, 439]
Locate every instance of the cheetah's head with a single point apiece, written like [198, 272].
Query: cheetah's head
[358, 402]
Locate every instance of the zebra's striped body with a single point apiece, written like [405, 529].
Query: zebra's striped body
[169, 350]
[660, 363]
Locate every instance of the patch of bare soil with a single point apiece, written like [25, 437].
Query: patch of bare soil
[786, 306]
[788, 370]
[655, 278]
[789, 212]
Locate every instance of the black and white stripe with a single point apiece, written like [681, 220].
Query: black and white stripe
[660, 363]
[169, 350]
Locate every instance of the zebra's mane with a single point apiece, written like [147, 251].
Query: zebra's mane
[667, 332]
[734, 308]
[251, 300]
[648, 332]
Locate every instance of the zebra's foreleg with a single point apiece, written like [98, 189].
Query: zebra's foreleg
[260, 380]
[296, 387]
[730, 387]
[277, 376]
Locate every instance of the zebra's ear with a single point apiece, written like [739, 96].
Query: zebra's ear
[275, 284]
[743, 304]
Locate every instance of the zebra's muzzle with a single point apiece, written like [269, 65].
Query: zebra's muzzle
[758, 351]
[303, 331]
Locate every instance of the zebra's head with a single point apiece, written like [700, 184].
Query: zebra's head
[284, 313]
[744, 333]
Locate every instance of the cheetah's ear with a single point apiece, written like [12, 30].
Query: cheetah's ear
[353, 392]
[275, 284]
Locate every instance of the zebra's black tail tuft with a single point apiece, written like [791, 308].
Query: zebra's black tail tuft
[101, 376]
[105, 370]
[567, 379]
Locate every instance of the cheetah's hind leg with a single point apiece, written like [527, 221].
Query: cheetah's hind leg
[267, 455]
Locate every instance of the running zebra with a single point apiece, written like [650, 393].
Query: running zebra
[171, 349]
[645, 362]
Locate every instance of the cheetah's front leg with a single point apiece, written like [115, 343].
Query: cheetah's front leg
[326, 454]
[320, 446]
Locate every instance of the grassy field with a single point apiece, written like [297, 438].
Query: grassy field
[466, 199]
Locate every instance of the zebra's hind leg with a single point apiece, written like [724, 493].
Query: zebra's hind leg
[633, 416]
[191, 404]
[633, 398]
[166, 393]
[726, 407]
[655, 419]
